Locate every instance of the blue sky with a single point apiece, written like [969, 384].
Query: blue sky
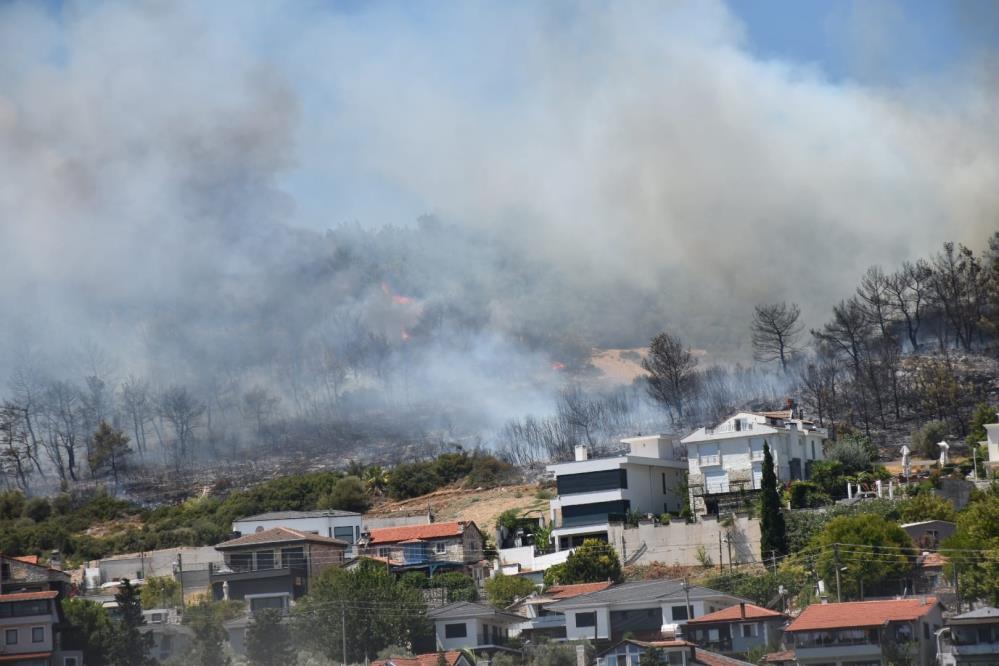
[871, 41]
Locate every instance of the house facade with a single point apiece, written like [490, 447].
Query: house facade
[992, 444]
[25, 574]
[725, 462]
[430, 548]
[30, 623]
[539, 621]
[970, 638]
[270, 569]
[649, 478]
[674, 652]
[170, 637]
[639, 608]
[466, 625]
[928, 534]
[737, 629]
[866, 632]
[342, 525]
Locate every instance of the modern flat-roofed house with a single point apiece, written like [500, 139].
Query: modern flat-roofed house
[992, 445]
[466, 625]
[271, 568]
[865, 632]
[430, 548]
[639, 608]
[737, 629]
[342, 525]
[970, 638]
[725, 462]
[30, 624]
[592, 492]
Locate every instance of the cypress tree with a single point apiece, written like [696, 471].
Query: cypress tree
[129, 645]
[773, 532]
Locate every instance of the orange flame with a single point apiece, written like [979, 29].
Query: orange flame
[398, 299]
[558, 366]
[405, 335]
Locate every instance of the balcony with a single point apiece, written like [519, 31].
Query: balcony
[709, 460]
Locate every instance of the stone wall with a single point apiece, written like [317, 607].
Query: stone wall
[677, 542]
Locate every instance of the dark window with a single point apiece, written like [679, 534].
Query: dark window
[24, 608]
[10, 637]
[926, 631]
[681, 613]
[69, 661]
[344, 533]
[265, 559]
[591, 514]
[38, 634]
[240, 561]
[664, 483]
[4, 571]
[610, 479]
[261, 603]
[586, 619]
[292, 557]
[455, 630]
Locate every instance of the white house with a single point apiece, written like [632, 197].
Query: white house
[591, 492]
[644, 607]
[467, 625]
[342, 525]
[728, 458]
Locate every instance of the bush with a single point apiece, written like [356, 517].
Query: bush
[854, 452]
[807, 495]
[38, 509]
[412, 480]
[924, 440]
[926, 506]
[347, 494]
[503, 590]
[11, 504]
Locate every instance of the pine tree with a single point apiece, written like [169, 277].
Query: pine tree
[209, 635]
[268, 640]
[773, 532]
[129, 646]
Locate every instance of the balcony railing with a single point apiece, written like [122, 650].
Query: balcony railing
[704, 461]
[240, 567]
[824, 639]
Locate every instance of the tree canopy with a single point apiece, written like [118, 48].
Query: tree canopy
[875, 552]
[593, 561]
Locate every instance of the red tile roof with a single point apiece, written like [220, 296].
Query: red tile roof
[735, 614]
[430, 659]
[29, 596]
[431, 531]
[779, 657]
[861, 614]
[28, 559]
[569, 591]
[707, 658]
[9, 658]
[279, 535]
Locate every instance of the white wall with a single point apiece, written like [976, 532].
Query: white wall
[572, 632]
[322, 525]
[472, 630]
[677, 542]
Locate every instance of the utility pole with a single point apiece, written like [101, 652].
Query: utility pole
[957, 583]
[343, 631]
[773, 561]
[686, 597]
[839, 596]
[721, 560]
[180, 575]
[728, 542]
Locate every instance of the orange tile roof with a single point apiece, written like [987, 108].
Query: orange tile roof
[28, 559]
[851, 614]
[29, 596]
[735, 614]
[569, 591]
[778, 657]
[9, 658]
[431, 531]
[279, 535]
[430, 659]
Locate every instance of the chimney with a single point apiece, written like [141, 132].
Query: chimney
[581, 453]
[742, 610]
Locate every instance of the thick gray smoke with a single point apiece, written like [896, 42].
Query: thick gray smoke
[168, 173]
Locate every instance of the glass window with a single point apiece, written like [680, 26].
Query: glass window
[260, 603]
[384, 551]
[38, 634]
[586, 619]
[265, 559]
[440, 547]
[344, 533]
[240, 561]
[455, 630]
[292, 557]
[748, 630]
[69, 661]
[664, 483]
[10, 637]
[680, 613]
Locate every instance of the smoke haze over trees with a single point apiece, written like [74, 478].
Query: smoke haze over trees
[238, 223]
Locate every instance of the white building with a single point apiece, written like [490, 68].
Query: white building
[591, 492]
[992, 430]
[343, 525]
[467, 625]
[728, 458]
